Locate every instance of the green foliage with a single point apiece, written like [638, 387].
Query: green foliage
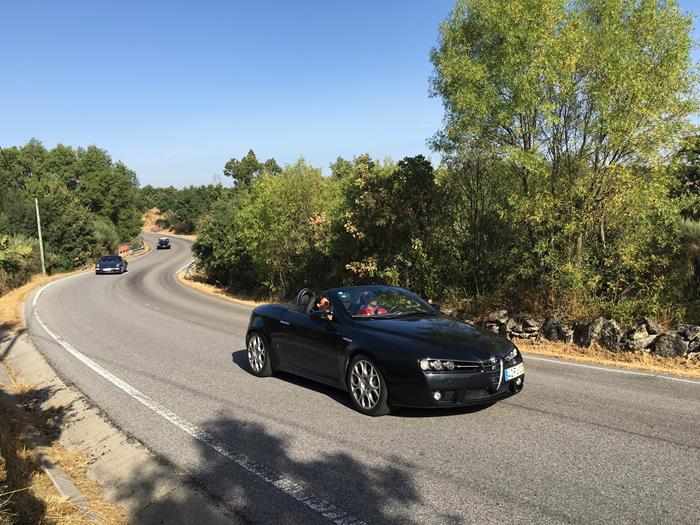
[182, 208]
[19, 259]
[387, 217]
[87, 204]
[244, 171]
[558, 117]
[687, 171]
[272, 235]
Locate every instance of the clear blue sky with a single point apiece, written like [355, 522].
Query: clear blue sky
[175, 89]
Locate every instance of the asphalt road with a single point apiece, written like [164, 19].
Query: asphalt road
[579, 444]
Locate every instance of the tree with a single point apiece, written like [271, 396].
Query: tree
[272, 237]
[387, 216]
[578, 102]
[109, 190]
[687, 170]
[244, 171]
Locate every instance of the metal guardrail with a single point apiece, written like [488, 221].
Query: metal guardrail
[190, 269]
[137, 250]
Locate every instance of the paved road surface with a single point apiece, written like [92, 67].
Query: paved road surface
[166, 363]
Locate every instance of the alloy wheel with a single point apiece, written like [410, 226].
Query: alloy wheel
[365, 384]
[256, 353]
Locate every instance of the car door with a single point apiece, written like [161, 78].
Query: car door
[311, 348]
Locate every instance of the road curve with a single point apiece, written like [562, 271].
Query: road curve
[166, 364]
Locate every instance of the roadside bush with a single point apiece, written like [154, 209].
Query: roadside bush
[19, 260]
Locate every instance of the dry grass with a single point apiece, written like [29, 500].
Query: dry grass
[681, 366]
[10, 319]
[198, 283]
[151, 219]
[27, 494]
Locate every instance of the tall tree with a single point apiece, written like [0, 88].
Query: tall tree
[244, 171]
[578, 102]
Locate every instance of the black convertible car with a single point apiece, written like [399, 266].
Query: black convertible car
[386, 346]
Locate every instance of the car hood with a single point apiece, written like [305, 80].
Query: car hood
[442, 337]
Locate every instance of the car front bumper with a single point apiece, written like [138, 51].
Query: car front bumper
[456, 389]
[108, 270]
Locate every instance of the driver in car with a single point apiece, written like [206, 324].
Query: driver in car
[324, 305]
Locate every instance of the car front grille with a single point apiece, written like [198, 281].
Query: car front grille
[494, 373]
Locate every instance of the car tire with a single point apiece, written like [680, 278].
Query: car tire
[367, 387]
[258, 355]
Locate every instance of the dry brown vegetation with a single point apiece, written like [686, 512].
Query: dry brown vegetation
[642, 361]
[10, 319]
[198, 282]
[27, 494]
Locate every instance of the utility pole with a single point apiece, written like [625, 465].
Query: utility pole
[41, 241]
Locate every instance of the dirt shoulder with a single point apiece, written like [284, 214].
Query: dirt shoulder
[199, 283]
[642, 361]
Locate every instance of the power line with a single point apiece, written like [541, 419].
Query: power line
[9, 168]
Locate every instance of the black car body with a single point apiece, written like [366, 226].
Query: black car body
[421, 357]
[163, 244]
[111, 264]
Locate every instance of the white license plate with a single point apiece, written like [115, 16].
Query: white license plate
[514, 371]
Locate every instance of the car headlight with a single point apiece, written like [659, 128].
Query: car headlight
[436, 364]
[511, 355]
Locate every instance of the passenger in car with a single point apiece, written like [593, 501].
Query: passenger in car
[372, 308]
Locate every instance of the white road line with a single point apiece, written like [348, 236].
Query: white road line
[285, 485]
[613, 370]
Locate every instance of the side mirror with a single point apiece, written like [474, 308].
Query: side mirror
[318, 316]
[436, 307]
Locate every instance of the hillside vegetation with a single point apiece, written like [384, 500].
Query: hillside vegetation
[87, 204]
[569, 178]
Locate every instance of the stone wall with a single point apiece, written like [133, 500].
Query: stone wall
[646, 336]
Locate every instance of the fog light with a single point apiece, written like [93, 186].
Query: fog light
[424, 364]
[449, 365]
[437, 395]
[437, 365]
[519, 381]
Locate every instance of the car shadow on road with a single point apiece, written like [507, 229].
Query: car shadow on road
[259, 475]
[240, 358]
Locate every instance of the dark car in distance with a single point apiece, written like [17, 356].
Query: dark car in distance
[163, 243]
[111, 264]
[386, 346]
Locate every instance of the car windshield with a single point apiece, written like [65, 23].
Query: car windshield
[110, 259]
[377, 303]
